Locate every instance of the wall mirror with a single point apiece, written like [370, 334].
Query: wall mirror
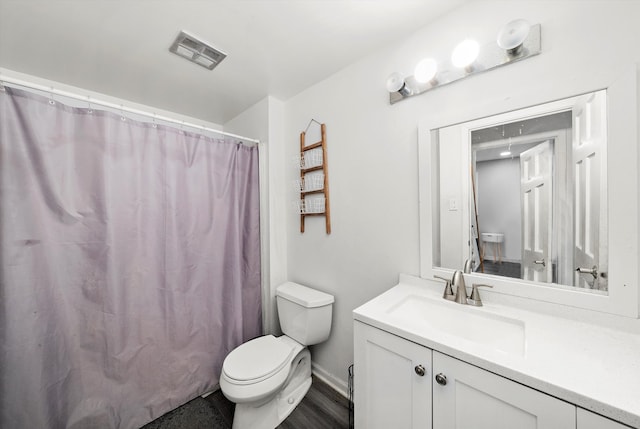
[535, 190]
[542, 200]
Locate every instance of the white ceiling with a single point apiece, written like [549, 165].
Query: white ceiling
[274, 47]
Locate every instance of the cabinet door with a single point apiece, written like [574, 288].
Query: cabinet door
[473, 398]
[589, 420]
[389, 390]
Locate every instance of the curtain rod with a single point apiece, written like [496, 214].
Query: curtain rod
[120, 107]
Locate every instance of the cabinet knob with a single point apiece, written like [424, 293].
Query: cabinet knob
[419, 369]
[441, 379]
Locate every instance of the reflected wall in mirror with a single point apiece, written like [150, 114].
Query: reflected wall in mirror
[523, 194]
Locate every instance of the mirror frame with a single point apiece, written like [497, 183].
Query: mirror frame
[623, 223]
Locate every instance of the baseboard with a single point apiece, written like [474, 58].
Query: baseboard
[215, 389]
[335, 383]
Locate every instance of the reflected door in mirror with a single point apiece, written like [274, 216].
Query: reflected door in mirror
[536, 192]
[589, 118]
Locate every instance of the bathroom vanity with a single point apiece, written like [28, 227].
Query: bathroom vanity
[425, 362]
[557, 343]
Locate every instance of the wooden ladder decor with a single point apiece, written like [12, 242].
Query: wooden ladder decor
[308, 166]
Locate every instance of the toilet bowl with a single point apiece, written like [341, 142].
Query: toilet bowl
[268, 376]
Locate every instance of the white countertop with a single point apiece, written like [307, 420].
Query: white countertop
[593, 367]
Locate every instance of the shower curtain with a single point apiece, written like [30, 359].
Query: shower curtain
[130, 264]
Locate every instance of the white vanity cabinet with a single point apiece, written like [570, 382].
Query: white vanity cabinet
[496, 366]
[400, 384]
[589, 420]
[392, 381]
[465, 396]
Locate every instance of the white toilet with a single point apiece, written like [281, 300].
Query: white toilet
[268, 376]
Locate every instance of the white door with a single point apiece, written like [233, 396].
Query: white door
[392, 381]
[536, 195]
[467, 397]
[590, 191]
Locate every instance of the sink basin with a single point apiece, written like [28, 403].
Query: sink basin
[470, 323]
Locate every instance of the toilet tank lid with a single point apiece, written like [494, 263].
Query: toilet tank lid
[303, 295]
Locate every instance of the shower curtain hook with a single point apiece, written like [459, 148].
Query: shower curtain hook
[90, 109]
[122, 118]
[153, 119]
[51, 100]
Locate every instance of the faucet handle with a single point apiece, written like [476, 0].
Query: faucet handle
[448, 291]
[474, 299]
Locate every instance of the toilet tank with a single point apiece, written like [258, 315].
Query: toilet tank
[304, 313]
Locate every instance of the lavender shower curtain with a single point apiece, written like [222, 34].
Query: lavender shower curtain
[130, 264]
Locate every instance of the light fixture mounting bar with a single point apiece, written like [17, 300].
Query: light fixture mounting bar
[491, 57]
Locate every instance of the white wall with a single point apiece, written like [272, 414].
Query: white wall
[499, 205]
[372, 146]
[265, 121]
[454, 232]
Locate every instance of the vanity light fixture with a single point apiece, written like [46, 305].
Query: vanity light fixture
[396, 83]
[516, 41]
[426, 70]
[465, 54]
[512, 35]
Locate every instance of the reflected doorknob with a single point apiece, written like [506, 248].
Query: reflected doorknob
[593, 271]
[441, 379]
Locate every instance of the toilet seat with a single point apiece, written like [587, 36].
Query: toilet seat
[257, 369]
[257, 360]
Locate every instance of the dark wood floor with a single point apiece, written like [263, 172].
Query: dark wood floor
[505, 269]
[321, 408]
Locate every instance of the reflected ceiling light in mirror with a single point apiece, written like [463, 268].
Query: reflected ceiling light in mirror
[518, 40]
[426, 70]
[396, 83]
[465, 54]
[513, 35]
[505, 153]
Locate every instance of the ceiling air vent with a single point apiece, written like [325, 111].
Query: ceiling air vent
[189, 47]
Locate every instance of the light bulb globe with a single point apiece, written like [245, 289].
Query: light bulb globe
[465, 53]
[395, 82]
[513, 34]
[425, 70]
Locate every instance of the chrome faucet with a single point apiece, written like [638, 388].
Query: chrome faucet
[468, 266]
[457, 281]
[460, 296]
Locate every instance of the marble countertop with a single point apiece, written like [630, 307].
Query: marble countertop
[594, 367]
